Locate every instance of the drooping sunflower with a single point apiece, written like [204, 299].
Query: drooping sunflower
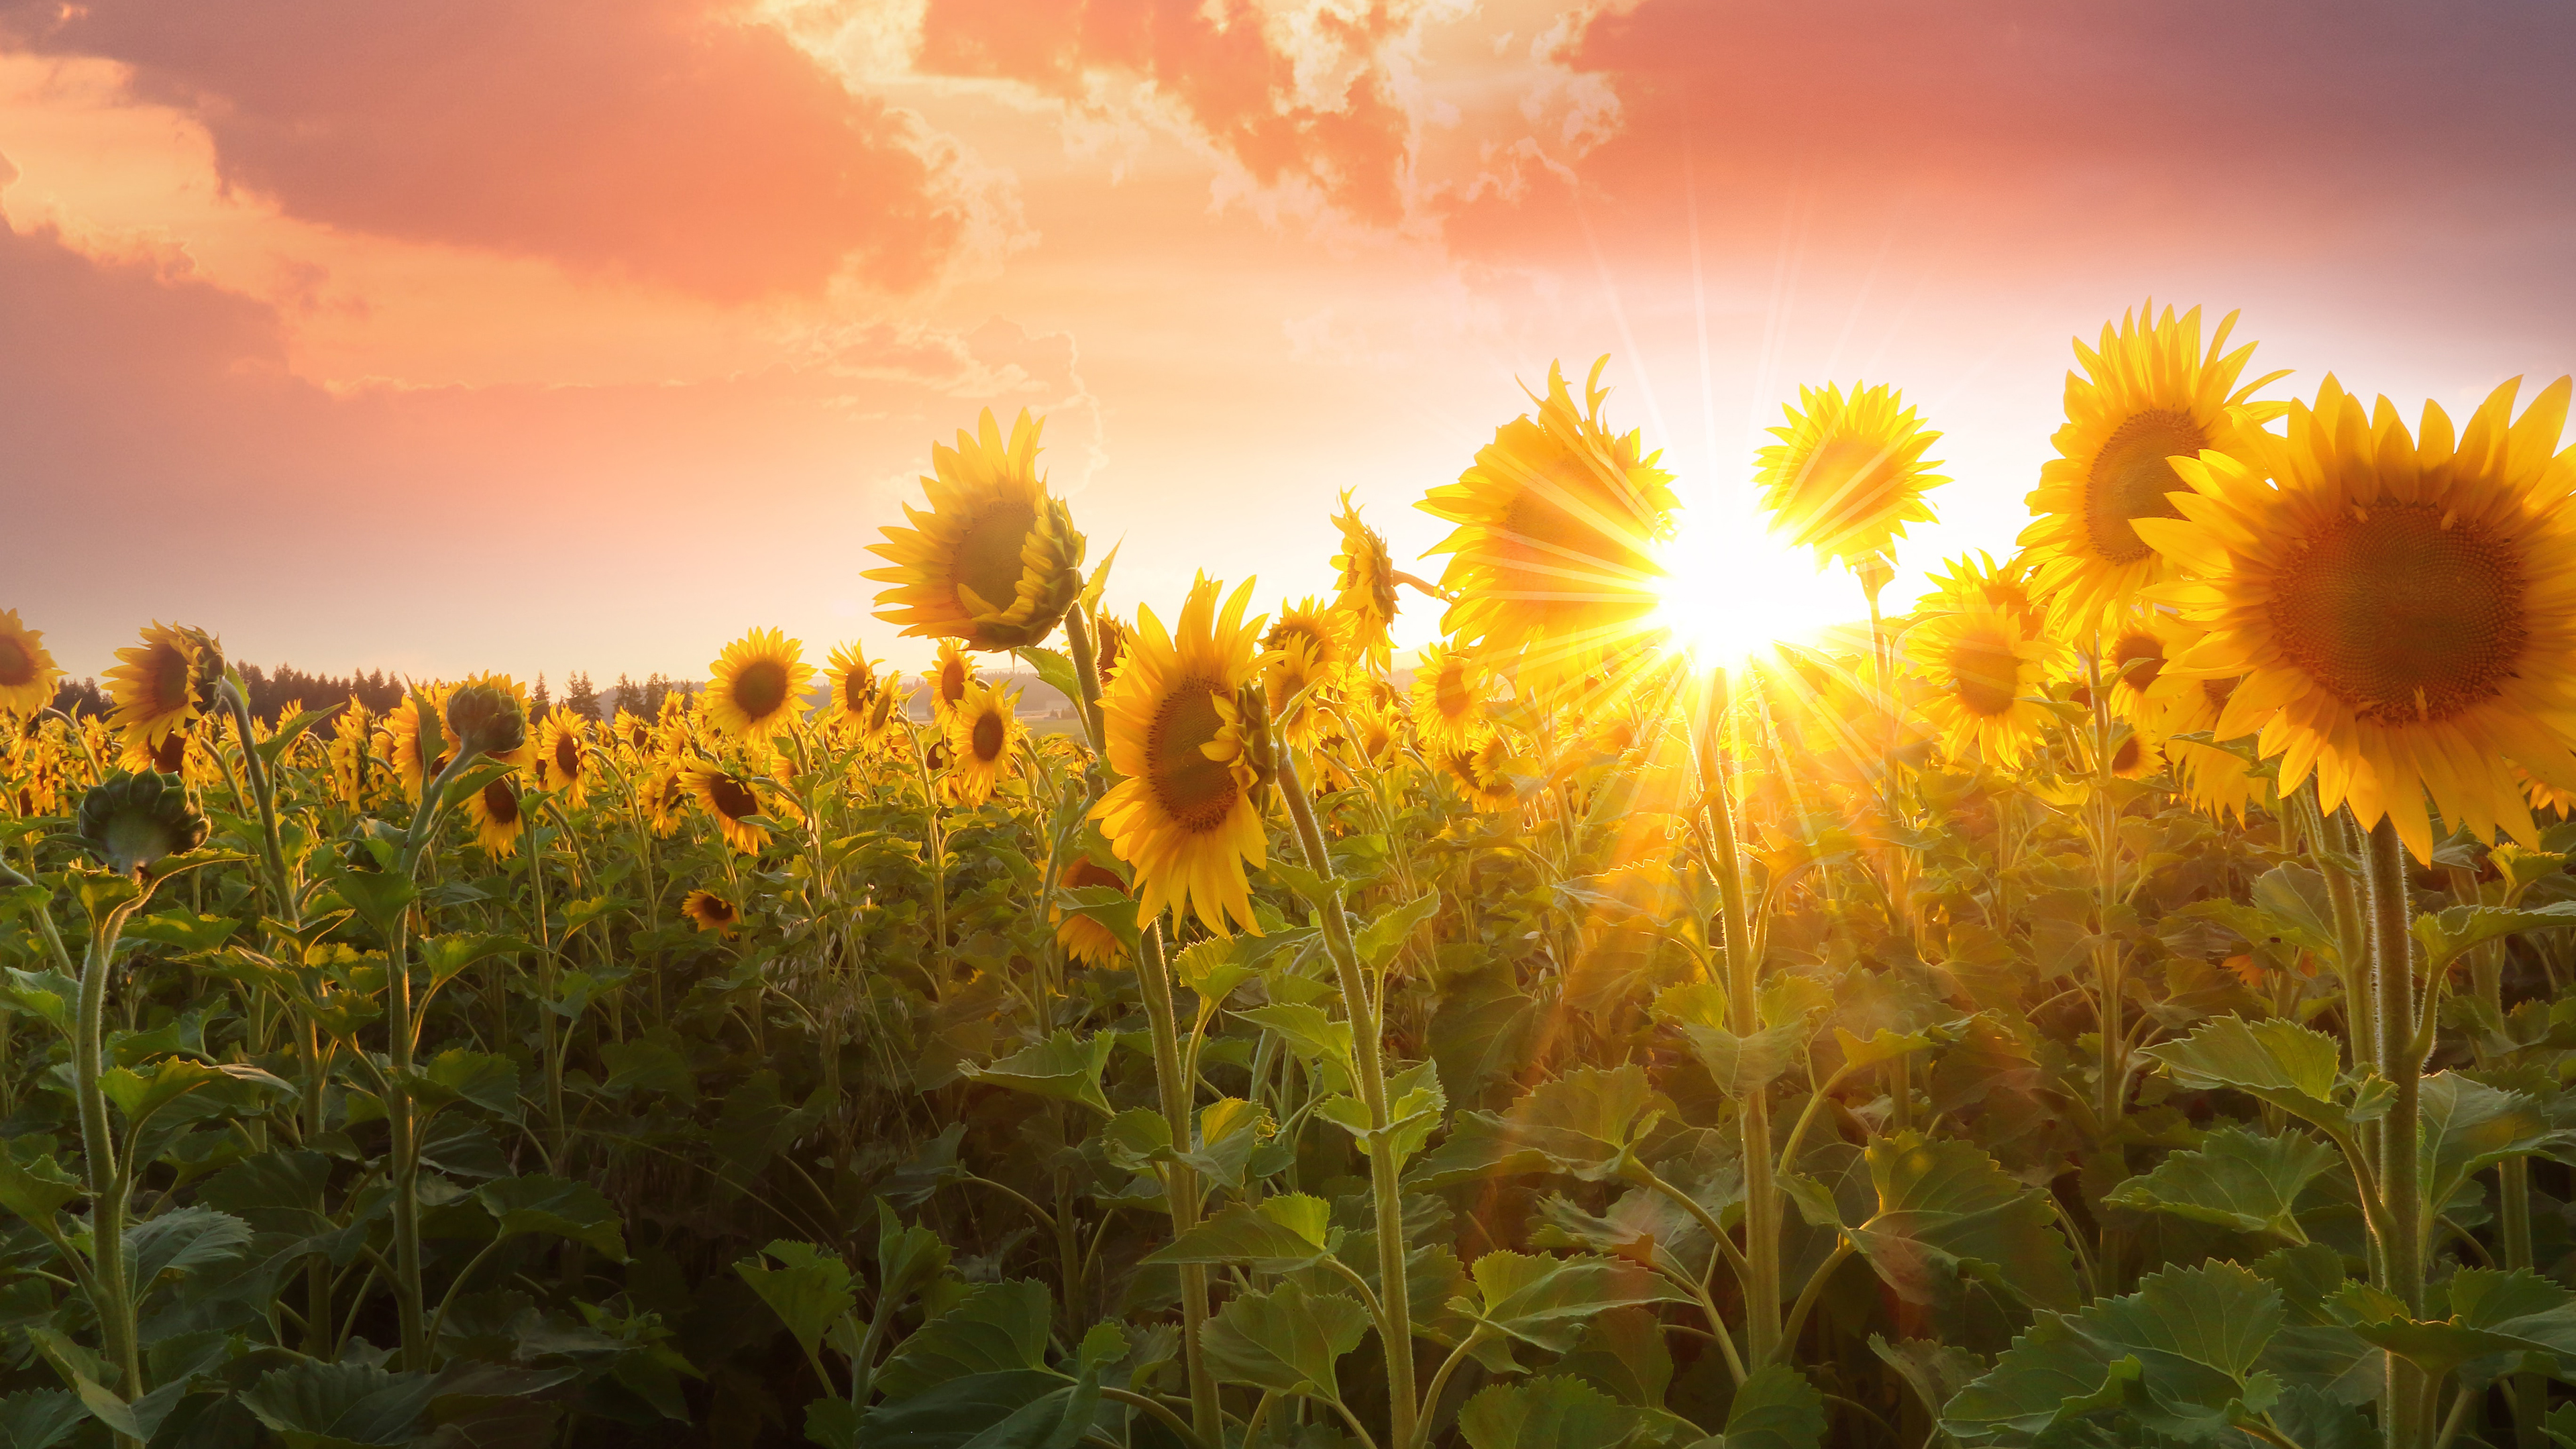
[855, 686]
[1558, 522]
[995, 561]
[732, 800]
[1449, 693]
[712, 912]
[27, 671]
[497, 817]
[164, 682]
[2402, 609]
[1848, 472]
[1364, 586]
[1110, 642]
[2149, 394]
[1984, 669]
[1186, 816]
[757, 684]
[984, 739]
[563, 755]
[949, 680]
[1084, 939]
[1304, 655]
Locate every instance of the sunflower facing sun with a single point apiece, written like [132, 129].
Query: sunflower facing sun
[1364, 585]
[855, 686]
[984, 741]
[949, 679]
[2402, 610]
[1304, 656]
[1449, 693]
[757, 684]
[1848, 472]
[1984, 669]
[733, 800]
[995, 561]
[27, 672]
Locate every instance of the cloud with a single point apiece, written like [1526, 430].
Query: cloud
[670, 142]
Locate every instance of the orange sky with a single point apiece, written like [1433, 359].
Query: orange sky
[475, 334]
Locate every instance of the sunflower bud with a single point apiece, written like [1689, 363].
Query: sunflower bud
[486, 720]
[131, 821]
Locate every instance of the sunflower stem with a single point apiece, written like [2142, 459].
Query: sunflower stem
[1761, 1195]
[2393, 979]
[2111, 1054]
[110, 1185]
[1086, 674]
[1180, 1183]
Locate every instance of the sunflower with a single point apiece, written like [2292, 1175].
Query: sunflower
[1482, 773]
[563, 755]
[2402, 611]
[1373, 731]
[2150, 394]
[633, 733]
[1976, 578]
[164, 682]
[995, 561]
[1983, 668]
[27, 671]
[1449, 692]
[1365, 585]
[1084, 939]
[663, 795]
[1848, 473]
[1304, 655]
[756, 685]
[949, 680]
[356, 773]
[855, 687]
[402, 739]
[984, 738]
[2137, 751]
[2135, 651]
[167, 757]
[1558, 522]
[1185, 817]
[733, 800]
[1110, 643]
[489, 714]
[2218, 783]
[497, 817]
[712, 912]
[132, 821]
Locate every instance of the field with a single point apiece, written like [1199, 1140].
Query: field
[2121, 997]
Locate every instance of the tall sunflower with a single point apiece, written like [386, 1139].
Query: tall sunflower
[1304, 655]
[995, 561]
[1185, 817]
[27, 671]
[1364, 585]
[2402, 609]
[1848, 472]
[563, 755]
[855, 686]
[757, 685]
[1558, 521]
[733, 800]
[1084, 939]
[1984, 669]
[1449, 693]
[984, 739]
[164, 682]
[2149, 394]
[497, 817]
[949, 679]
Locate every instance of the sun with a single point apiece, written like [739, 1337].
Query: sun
[1733, 589]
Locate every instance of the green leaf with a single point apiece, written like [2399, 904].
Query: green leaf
[444, 956]
[2487, 1312]
[139, 1095]
[36, 1190]
[1055, 670]
[39, 1418]
[1279, 1235]
[1582, 1123]
[1623, 1353]
[1744, 1065]
[1936, 1371]
[1775, 1409]
[908, 1256]
[49, 996]
[1111, 907]
[1883, 1046]
[1307, 1030]
[487, 1080]
[2453, 933]
[809, 1290]
[1555, 1412]
[1945, 1208]
[541, 1204]
[183, 1241]
[2561, 1425]
[1381, 939]
[1286, 1339]
[379, 896]
[2177, 1357]
[1006, 1410]
[1229, 1130]
[832, 1423]
[2278, 1061]
[1064, 1066]
[2469, 1126]
[314, 1405]
[997, 1327]
[1546, 1301]
[2235, 1179]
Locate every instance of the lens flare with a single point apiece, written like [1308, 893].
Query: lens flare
[1733, 588]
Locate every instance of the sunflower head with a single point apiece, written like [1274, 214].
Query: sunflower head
[1848, 473]
[174, 676]
[563, 755]
[1304, 656]
[131, 821]
[1110, 643]
[27, 671]
[2149, 394]
[1084, 939]
[1983, 670]
[985, 737]
[890, 698]
[2400, 610]
[757, 684]
[949, 679]
[1449, 693]
[855, 687]
[712, 912]
[1185, 816]
[995, 561]
[1483, 773]
[1558, 524]
[497, 817]
[733, 801]
[487, 715]
[1365, 585]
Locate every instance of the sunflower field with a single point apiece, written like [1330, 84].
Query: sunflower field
[2126, 996]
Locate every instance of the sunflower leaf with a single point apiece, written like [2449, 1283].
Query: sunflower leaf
[2451, 934]
[2279, 1061]
[1776, 1409]
[1582, 1123]
[2235, 1179]
[1556, 1412]
[1285, 1340]
[1064, 1066]
[1945, 1210]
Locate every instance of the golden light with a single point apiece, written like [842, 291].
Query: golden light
[1734, 589]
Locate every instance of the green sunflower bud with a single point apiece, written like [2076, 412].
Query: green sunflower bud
[131, 821]
[486, 720]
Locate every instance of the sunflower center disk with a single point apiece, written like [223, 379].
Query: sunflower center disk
[17, 666]
[501, 803]
[1556, 559]
[988, 738]
[733, 799]
[2400, 618]
[1984, 676]
[2130, 479]
[2138, 659]
[169, 681]
[568, 757]
[1195, 791]
[760, 688]
[988, 552]
[1845, 479]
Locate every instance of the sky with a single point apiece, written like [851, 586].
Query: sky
[471, 334]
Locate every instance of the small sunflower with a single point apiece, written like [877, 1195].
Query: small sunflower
[2137, 751]
[1185, 817]
[164, 682]
[1848, 472]
[949, 680]
[757, 684]
[1365, 585]
[984, 738]
[1084, 939]
[663, 794]
[1482, 774]
[563, 755]
[1374, 731]
[1976, 578]
[1984, 668]
[2135, 650]
[2402, 609]
[1449, 693]
[732, 799]
[356, 774]
[27, 671]
[1110, 641]
[855, 687]
[1305, 653]
[497, 817]
[1558, 523]
[712, 912]
[995, 561]
[2150, 394]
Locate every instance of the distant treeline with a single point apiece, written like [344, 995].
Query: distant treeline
[272, 690]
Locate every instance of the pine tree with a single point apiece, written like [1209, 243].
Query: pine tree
[540, 701]
[579, 697]
[656, 687]
[627, 695]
